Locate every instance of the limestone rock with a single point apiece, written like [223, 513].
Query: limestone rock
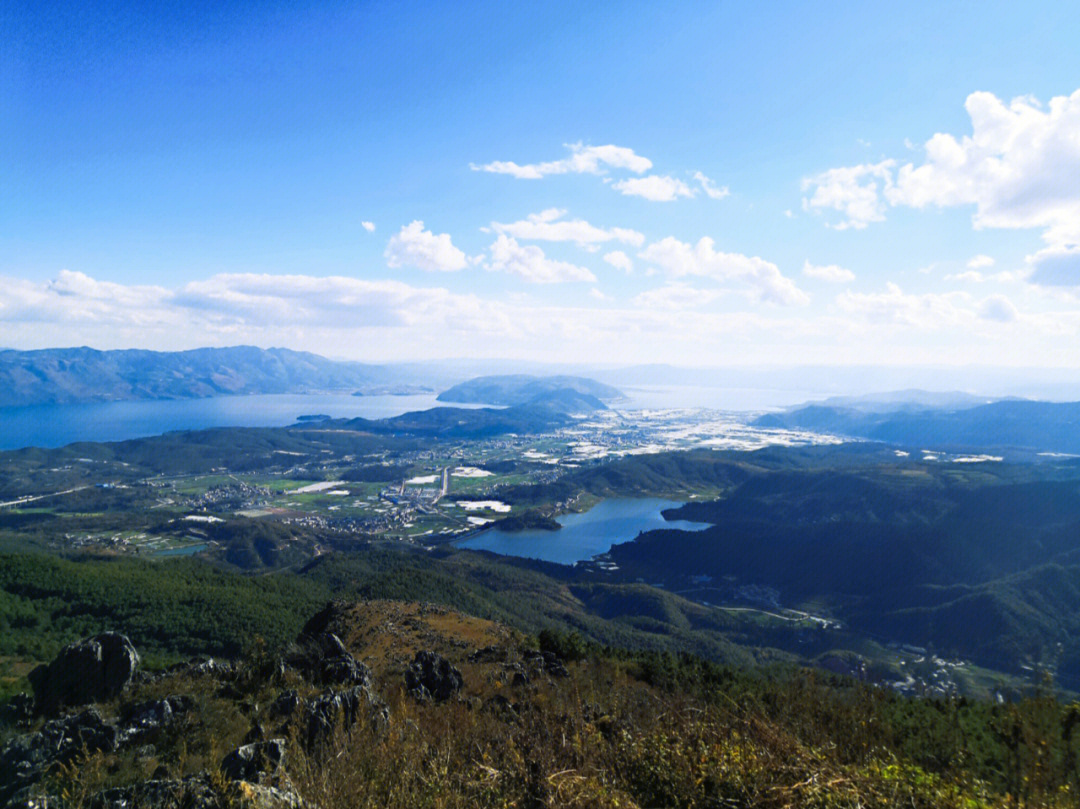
[258, 762]
[431, 676]
[91, 670]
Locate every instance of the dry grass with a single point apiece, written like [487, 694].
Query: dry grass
[600, 738]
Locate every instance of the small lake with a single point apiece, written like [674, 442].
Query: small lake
[585, 535]
[55, 425]
[187, 550]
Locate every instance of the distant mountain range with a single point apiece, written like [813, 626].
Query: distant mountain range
[910, 400]
[1012, 423]
[67, 375]
[570, 392]
[62, 375]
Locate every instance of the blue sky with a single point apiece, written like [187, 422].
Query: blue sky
[694, 183]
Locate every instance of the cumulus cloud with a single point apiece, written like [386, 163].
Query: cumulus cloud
[1019, 167]
[680, 259]
[619, 260]
[655, 187]
[600, 160]
[529, 263]
[549, 225]
[972, 276]
[854, 191]
[582, 160]
[1056, 266]
[368, 226]
[676, 297]
[830, 273]
[415, 247]
[238, 303]
[979, 262]
[389, 319]
[710, 188]
[895, 307]
[77, 299]
[997, 307]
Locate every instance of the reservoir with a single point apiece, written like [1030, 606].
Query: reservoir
[585, 535]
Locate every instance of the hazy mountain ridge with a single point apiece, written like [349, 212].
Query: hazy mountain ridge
[520, 389]
[65, 375]
[1040, 426]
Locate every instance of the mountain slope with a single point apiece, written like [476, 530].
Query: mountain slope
[393, 705]
[61, 375]
[519, 389]
[1040, 426]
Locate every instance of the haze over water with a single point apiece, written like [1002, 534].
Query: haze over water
[55, 425]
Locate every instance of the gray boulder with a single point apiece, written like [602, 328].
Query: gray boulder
[431, 676]
[92, 670]
[197, 792]
[148, 718]
[323, 659]
[26, 759]
[18, 711]
[546, 662]
[324, 716]
[258, 763]
[285, 704]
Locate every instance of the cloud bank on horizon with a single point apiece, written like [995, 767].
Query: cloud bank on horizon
[658, 245]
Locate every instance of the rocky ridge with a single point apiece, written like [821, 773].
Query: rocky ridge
[93, 708]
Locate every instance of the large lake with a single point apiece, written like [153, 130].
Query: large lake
[585, 535]
[57, 425]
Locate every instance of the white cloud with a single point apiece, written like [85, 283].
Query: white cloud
[1056, 266]
[852, 190]
[972, 276]
[596, 294]
[830, 273]
[549, 225]
[710, 188]
[368, 226]
[76, 299]
[895, 307]
[619, 260]
[655, 187]
[999, 308]
[529, 263]
[980, 261]
[378, 320]
[415, 247]
[1019, 167]
[599, 160]
[582, 160]
[235, 304]
[680, 259]
[676, 297]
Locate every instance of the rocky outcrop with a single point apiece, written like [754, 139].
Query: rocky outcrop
[18, 711]
[92, 670]
[546, 662]
[26, 759]
[430, 676]
[148, 718]
[257, 763]
[321, 657]
[322, 718]
[197, 792]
